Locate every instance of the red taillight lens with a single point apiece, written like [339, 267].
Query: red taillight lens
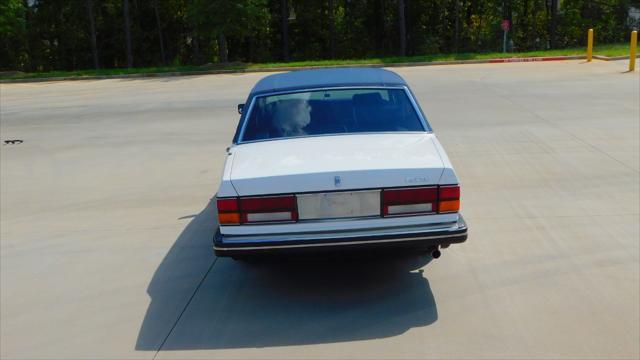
[409, 201]
[268, 209]
[449, 198]
[227, 205]
[228, 211]
[395, 202]
[260, 204]
[235, 211]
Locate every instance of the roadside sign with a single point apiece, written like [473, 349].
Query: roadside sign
[505, 28]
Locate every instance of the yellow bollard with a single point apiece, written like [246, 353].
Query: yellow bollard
[632, 50]
[590, 45]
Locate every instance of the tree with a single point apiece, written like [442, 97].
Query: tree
[45, 35]
[13, 31]
[159, 25]
[222, 19]
[403, 28]
[92, 31]
[554, 23]
[456, 44]
[284, 21]
[127, 32]
[332, 29]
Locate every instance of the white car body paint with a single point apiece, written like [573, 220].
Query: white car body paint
[362, 161]
[226, 188]
[448, 174]
[310, 164]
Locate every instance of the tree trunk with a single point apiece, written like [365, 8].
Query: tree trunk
[525, 23]
[92, 29]
[332, 30]
[554, 22]
[403, 28]
[457, 22]
[284, 15]
[222, 49]
[155, 6]
[127, 33]
[196, 49]
[379, 12]
[512, 27]
[471, 9]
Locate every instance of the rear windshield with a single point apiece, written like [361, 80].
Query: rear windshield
[337, 111]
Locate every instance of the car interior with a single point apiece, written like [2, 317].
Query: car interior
[357, 113]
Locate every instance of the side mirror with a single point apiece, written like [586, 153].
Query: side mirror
[240, 107]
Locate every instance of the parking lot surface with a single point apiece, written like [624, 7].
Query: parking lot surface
[107, 221]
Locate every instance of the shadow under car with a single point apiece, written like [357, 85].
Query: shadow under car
[202, 302]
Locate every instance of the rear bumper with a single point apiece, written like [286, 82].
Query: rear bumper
[407, 237]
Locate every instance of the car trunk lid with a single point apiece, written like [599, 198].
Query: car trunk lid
[335, 163]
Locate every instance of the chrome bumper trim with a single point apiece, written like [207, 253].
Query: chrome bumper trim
[217, 248]
[432, 233]
[405, 231]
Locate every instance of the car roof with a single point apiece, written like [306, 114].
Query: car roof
[322, 78]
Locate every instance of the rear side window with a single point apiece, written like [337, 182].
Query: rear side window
[324, 112]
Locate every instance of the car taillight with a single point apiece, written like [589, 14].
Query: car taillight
[409, 201]
[268, 209]
[228, 211]
[416, 201]
[448, 198]
[235, 211]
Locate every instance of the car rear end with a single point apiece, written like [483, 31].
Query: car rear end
[336, 168]
[338, 193]
[413, 217]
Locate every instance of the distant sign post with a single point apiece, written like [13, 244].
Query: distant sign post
[506, 24]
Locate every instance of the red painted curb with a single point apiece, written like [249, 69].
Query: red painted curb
[533, 59]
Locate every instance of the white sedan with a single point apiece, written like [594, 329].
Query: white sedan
[335, 159]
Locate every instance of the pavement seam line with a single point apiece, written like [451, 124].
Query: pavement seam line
[185, 308]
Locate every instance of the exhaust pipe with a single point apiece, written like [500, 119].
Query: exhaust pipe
[435, 253]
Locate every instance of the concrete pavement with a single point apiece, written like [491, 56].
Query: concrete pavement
[106, 226]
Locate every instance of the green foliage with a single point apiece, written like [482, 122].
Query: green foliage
[607, 18]
[48, 35]
[13, 54]
[12, 21]
[235, 20]
[607, 50]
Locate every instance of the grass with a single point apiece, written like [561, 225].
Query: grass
[606, 50]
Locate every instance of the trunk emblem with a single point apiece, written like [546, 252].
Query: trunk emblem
[337, 181]
[415, 179]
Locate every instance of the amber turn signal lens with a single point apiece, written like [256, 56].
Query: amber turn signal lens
[449, 206]
[229, 218]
